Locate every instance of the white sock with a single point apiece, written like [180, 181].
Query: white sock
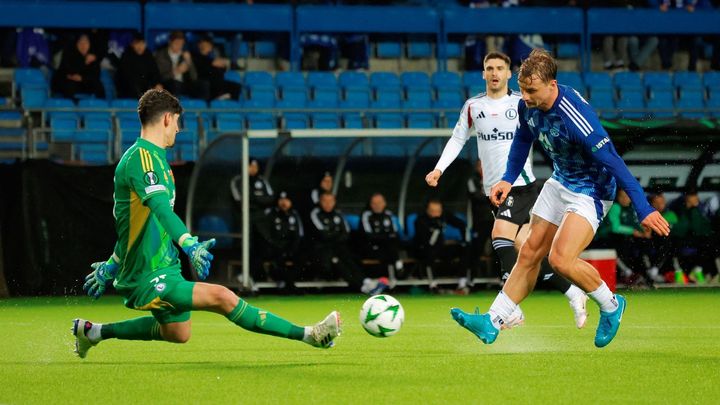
[604, 298]
[306, 337]
[94, 334]
[501, 309]
[573, 292]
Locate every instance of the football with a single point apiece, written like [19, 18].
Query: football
[382, 315]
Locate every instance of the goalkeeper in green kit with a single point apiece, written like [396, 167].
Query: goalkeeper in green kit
[145, 265]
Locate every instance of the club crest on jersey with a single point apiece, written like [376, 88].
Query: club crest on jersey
[151, 178]
[511, 113]
[554, 132]
[510, 201]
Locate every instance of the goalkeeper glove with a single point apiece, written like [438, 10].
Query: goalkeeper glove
[103, 272]
[198, 254]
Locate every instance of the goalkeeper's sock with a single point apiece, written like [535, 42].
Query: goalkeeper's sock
[143, 328]
[256, 320]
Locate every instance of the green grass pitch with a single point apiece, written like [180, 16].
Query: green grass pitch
[666, 352]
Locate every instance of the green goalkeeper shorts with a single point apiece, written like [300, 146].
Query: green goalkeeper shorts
[166, 294]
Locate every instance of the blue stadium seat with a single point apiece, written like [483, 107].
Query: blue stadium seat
[685, 80]
[454, 50]
[632, 101]
[386, 86]
[420, 98]
[419, 49]
[325, 120]
[627, 83]
[261, 121]
[210, 225]
[389, 49]
[353, 79]
[595, 81]
[711, 79]
[129, 130]
[421, 120]
[474, 83]
[389, 120]
[353, 221]
[691, 100]
[413, 80]
[265, 49]
[446, 80]
[410, 226]
[233, 76]
[95, 154]
[604, 101]
[355, 88]
[108, 82]
[713, 104]
[295, 120]
[324, 88]
[29, 76]
[661, 104]
[227, 121]
[352, 120]
[568, 50]
[259, 86]
[572, 79]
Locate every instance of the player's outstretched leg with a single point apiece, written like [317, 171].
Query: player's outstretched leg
[88, 334]
[256, 320]
[610, 323]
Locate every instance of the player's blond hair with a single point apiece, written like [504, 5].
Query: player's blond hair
[540, 64]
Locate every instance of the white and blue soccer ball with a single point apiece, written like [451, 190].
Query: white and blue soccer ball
[382, 315]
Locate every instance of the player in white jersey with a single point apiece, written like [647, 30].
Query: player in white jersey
[492, 116]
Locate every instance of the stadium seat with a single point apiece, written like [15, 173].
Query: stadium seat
[418, 99]
[295, 120]
[265, 49]
[419, 49]
[598, 81]
[389, 50]
[574, 80]
[227, 121]
[324, 88]
[454, 50]
[604, 102]
[446, 80]
[352, 120]
[568, 50]
[353, 221]
[325, 120]
[233, 76]
[260, 119]
[420, 120]
[691, 100]
[474, 83]
[211, 225]
[628, 82]
[415, 82]
[685, 80]
[632, 101]
[713, 104]
[410, 226]
[389, 120]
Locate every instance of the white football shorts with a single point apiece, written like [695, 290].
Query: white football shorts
[555, 200]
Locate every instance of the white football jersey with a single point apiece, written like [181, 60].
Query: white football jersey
[494, 122]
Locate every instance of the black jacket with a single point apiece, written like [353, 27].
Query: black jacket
[429, 231]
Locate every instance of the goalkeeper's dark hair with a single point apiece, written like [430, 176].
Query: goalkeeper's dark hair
[540, 64]
[154, 104]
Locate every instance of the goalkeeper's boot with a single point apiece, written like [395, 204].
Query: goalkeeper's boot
[82, 342]
[517, 318]
[477, 323]
[578, 305]
[324, 332]
[610, 323]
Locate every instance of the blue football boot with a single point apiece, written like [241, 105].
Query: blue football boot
[610, 323]
[477, 323]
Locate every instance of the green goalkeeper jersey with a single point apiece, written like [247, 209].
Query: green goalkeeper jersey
[143, 246]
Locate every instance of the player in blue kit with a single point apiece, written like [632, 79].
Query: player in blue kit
[571, 204]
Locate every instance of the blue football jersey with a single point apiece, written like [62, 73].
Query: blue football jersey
[584, 159]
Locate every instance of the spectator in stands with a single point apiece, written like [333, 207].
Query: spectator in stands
[282, 233]
[482, 213]
[32, 49]
[430, 245]
[331, 255]
[615, 47]
[79, 71]
[211, 68]
[137, 70]
[669, 44]
[622, 227]
[380, 234]
[693, 235]
[660, 252]
[177, 72]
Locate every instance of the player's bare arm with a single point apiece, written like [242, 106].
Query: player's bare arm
[433, 178]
